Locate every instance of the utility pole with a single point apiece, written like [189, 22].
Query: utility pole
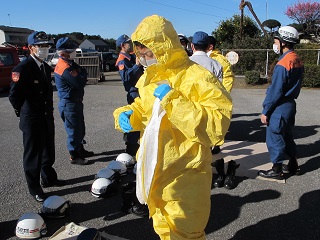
[9, 19]
[266, 9]
[241, 7]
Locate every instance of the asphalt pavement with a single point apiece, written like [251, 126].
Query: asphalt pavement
[255, 209]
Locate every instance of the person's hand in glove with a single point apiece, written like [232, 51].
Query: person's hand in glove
[124, 121]
[161, 91]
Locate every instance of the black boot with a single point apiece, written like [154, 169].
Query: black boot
[130, 202]
[219, 165]
[132, 148]
[274, 173]
[292, 167]
[127, 192]
[229, 182]
[215, 150]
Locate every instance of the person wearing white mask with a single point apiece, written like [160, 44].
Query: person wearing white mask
[70, 81]
[279, 106]
[31, 96]
[130, 70]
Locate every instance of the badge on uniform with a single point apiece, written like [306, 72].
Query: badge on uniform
[121, 67]
[15, 76]
[74, 73]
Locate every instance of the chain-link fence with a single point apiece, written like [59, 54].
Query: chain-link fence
[264, 60]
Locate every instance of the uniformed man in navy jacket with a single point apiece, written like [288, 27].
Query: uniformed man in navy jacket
[130, 70]
[31, 96]
[70, 81]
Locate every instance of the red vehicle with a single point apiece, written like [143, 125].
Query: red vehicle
[8, 60]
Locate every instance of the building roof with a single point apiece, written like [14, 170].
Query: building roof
[15, 29]
[97, 42]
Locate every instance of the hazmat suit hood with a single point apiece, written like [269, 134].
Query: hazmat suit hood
[164, 42]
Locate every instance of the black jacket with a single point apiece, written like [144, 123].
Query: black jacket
[31, 95]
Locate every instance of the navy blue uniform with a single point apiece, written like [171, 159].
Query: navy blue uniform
[130, 74]
[280, 106]
[31, 97]
[70, 81]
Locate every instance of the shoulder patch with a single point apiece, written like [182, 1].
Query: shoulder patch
[61, 66]
[15, 76]
[74, 73]
[121, 67]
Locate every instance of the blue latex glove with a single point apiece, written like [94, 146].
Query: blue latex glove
[161, 91]
[124, 121]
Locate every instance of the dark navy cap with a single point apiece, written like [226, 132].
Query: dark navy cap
[200, 38]
[66, 44]
[122, 39]
[40, 37]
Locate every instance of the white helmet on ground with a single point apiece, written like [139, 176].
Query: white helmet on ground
[55, 207]
[31, 226]
[117, 167]
[287, 34]
[126, 159]
[106, 173]
[102, 187]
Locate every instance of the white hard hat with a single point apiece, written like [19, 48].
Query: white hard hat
[287, 34]
[126, 159]
[117, 167]
[102, 187]
[31, 226]
[106, 173]
[55, 207]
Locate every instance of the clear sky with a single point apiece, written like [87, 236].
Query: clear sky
[110, 19]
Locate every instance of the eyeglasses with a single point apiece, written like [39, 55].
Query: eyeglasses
[144, 54]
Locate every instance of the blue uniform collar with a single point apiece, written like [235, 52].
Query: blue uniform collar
[282, 56]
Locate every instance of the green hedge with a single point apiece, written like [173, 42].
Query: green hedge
[253, 78]
[311, 76]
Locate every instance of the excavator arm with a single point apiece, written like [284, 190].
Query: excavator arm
[243, 4]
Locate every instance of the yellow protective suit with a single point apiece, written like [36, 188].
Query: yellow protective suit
[198, 112]
[228, 77]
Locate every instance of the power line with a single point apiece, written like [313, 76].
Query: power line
[187, 10]
[211, 6]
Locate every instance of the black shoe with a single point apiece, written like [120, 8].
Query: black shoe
[271, 174]
[139, 210]
[79, 161]
[218, 183]
[84, 153]
[57, 183]
[40, 197]
[215, 150]
[230, 180]
[293, 170]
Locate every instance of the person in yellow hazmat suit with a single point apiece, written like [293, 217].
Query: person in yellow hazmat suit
[195, 112]
[228, 76]
[227, 180]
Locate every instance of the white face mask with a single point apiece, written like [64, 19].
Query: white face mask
[276, 49]
[209, 53]
[42, 52]
[147, 63]
[72, 55]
